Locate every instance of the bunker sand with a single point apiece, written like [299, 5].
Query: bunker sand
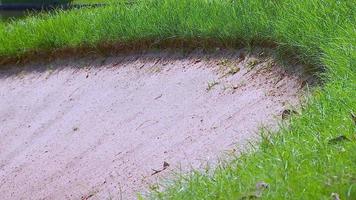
[97, 128]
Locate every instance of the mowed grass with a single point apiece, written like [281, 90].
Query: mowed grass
[298, 162]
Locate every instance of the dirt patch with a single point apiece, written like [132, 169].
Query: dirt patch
[97, 128]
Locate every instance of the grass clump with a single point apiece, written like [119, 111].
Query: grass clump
[298, 162]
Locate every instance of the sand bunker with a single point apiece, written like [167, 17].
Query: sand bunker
[98, 128]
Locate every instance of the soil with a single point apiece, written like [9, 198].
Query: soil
[108, 127]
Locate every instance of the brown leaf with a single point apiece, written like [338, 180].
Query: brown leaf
[165, 165]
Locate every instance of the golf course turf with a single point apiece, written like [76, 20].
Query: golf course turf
[310, 157]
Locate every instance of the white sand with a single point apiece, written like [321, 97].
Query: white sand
[95, 128]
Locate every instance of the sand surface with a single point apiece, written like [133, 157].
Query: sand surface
[100, 128]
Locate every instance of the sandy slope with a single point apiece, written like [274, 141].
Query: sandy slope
[97, 127]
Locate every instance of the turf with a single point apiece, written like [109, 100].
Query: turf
[89, 1]
[298, 162]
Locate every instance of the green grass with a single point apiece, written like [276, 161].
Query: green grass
[89, 1]
[297, 162]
